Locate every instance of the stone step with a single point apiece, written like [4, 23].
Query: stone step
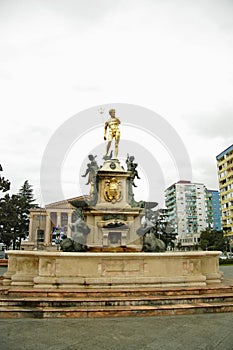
[38, 303]
[3, 262]
[113, 301]
[111, 292]
[114, 311]
[46, 307]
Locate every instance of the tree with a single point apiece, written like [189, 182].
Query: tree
[14, 213]
[10, 206]
[25, 203]
[157, 224]
[26, 192]
[4, 200]
[4, 184]
[212, 240]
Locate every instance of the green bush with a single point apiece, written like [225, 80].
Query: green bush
[226, 262]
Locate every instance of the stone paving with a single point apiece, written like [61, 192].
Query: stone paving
[194, 332]
[202, 332]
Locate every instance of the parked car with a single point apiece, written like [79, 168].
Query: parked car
[222, 257]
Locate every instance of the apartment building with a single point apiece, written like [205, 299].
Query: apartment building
[225, 177]
[213, 210]
[191, 209]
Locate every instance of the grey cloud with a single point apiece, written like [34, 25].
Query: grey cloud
[88, 9]
[217, 123]
[22, 18]
[90, 88]
[77, 9]
[206, 169]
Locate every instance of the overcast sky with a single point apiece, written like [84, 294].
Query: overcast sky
[61, 58]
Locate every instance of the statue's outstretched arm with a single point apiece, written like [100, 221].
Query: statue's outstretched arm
[87, 171]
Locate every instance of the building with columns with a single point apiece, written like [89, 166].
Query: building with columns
[46, 222]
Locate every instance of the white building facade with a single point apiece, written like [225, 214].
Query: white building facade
[185, 202]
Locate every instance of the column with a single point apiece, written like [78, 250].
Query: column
[47, 229]
[105, 237]
[68, 224]
[58, 219]
[31, 238]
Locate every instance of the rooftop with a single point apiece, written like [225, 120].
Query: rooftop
[230, 148]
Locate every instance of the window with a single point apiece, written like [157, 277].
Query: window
[40, 217]
[40, 235]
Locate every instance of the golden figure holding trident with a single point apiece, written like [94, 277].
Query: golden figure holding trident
[113, 131]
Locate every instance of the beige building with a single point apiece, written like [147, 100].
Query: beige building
[44, 221]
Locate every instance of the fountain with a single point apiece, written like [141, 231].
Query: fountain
[110, 248]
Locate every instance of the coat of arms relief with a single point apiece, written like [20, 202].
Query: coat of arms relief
[112, 190]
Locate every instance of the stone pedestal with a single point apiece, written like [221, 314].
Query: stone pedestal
[112, 186]
[112, 220]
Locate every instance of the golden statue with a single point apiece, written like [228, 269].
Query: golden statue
[113, 131]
